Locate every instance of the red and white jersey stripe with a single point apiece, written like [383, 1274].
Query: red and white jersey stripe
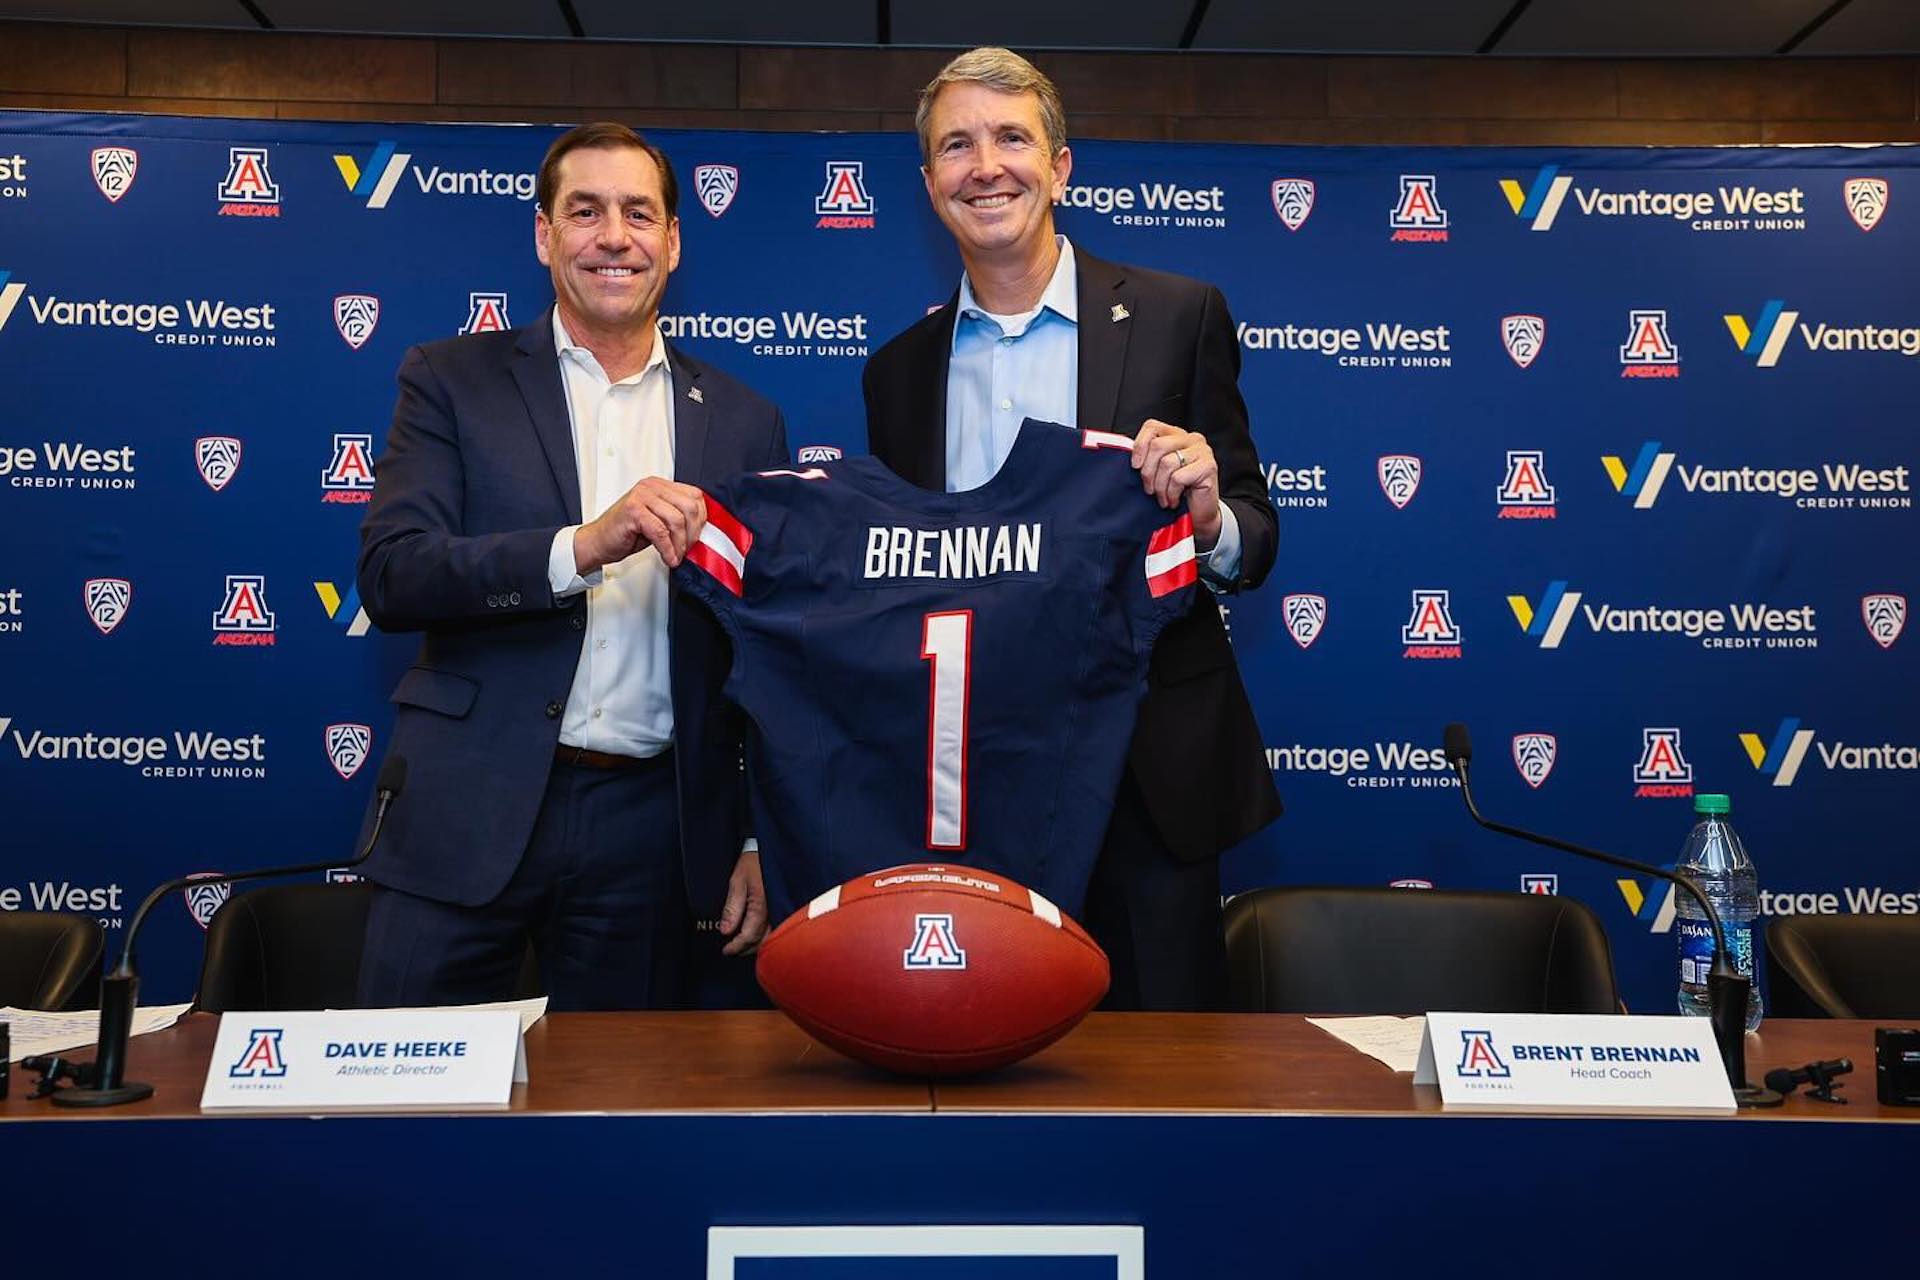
[723, 546]
[1170, 558]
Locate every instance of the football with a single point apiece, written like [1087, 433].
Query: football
[933, 970]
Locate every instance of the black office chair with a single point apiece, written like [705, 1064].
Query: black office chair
[1856, 966]
[1355, 951]
[296, 946]
[50, 960]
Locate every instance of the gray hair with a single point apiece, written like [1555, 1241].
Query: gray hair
[1005, 71]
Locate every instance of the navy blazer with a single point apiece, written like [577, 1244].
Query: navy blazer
[1151, 345]
[477, 477]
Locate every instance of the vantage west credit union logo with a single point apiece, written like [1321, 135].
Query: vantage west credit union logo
[1826, 486]
[1551, 198]
[181, 754]
[189, 322]
[372, 180]
[1772, 332]
[1779, 758]
[1386, 344]
[1736, 626]
[1147, 203]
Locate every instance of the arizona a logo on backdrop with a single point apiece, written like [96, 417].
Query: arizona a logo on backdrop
[1866, 201]
[349, 474]
[113, 170]
[107, 601]
[249, 190]
[1418, 217]
[486, 313]
[934, 946]
[1399, 478]
[843, 203]
[1524, 493]
[218, 460]
[716, 185]
[1523, 336]
[243, 617]
[1663, 771]
[348, 746]
[1430, 631]
[1648, 352]
[1886, 617]
[355, 315]
[1306, 616]
[1533, 756]
[1293, 201]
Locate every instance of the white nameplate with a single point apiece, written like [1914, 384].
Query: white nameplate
[1573, 1062]
[366, 1058]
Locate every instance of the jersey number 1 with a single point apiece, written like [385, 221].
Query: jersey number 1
[946, 640]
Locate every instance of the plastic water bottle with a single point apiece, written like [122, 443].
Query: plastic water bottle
[1715, 860]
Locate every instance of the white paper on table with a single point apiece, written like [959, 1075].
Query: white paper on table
[1394, 1041]
[530, 1011]
[34, 1031]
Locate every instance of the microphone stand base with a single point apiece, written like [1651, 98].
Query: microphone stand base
[1752, 1096]
[132, 1091]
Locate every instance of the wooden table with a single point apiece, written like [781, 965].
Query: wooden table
[1242, 1145]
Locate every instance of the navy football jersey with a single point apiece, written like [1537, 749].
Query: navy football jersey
[946, 677]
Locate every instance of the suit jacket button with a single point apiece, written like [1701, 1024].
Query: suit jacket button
[577, 621]
[514, 598]
[493, 602]
[553, 710]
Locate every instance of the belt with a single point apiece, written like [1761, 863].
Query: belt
[583, 758]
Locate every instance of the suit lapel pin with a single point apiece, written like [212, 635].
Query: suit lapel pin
[1120, 312]
[693, 394]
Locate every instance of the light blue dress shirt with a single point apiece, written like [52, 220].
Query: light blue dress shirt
[1006, 369]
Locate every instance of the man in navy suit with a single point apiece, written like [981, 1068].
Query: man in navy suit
[573, 775]
[1040, 328]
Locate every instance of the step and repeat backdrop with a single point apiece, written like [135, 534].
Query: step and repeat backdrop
[1609, 453]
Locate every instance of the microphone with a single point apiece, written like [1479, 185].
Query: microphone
[1820, 1075]
[118, 990]
[1727, 987]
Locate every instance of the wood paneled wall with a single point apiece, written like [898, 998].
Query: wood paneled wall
[1200, 97]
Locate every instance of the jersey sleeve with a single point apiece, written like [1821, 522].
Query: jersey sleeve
[717, 564]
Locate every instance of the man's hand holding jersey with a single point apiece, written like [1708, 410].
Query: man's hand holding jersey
[1176, 464]
[663, 514]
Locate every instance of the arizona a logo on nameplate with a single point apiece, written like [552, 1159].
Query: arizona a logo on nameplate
[366, 1058]
[1573, 1062]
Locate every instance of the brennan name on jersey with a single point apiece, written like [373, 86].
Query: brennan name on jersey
[960, 554]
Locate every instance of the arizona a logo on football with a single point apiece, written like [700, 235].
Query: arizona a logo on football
[1523, 336]
[1399, 478]
[218, 460]
[1866, 201]
[113, 170]
[1533, 756]
[933, 945]
[716, 185]
[355, 315]
[1293, 201]
[348, 746]
[1886, 617]
[107, 600]
[1306, 616]
[205, 896]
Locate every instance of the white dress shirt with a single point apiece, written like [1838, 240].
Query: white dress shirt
[622, 697]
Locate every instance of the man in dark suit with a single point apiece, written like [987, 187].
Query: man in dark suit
[1041, 329]
[574, 777]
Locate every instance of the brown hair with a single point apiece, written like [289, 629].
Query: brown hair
[1005, 71]
[605, 135]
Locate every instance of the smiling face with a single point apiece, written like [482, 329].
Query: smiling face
[989, 174]
[609, 242]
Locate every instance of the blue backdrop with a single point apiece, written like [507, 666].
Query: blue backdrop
[1602, 451]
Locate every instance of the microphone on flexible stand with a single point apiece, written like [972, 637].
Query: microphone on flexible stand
[106, 1086]
[1727, 987]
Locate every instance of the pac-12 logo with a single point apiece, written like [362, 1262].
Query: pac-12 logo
[1866, 201]
[107, 602]
[1293, 201]
[1648, 352]
[818, 453]
[1399, 475]
[261, 1059]
[113, 170]
[1780, 759]
[1524, 493]
[248, 190]
[349, 473]
[843, 203]
[355, 315]
[934, 946]
[1430, 631]
[1523, 336]
[486, 313]
[716, 185]
[1306, 617]
[217, 458]
[1886, 617]
[1663, 771]
[1533, 756]
[1479, 1058]
[1417, 216]
[205, 896]
[243, 617]
[348, 746]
